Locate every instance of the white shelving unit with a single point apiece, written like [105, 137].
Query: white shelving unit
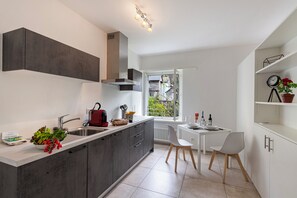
[287, 62]
[282, 41]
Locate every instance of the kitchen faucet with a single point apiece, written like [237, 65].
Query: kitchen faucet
[61, 122]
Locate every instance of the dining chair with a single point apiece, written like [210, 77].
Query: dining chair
[233, 145]
[178, 144]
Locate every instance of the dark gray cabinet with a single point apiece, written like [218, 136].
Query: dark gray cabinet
[136, 76]
[24, 49]
[63, 174]
[87, 170]
[136, 143]
[121, 155]
[148, 136]
[99, 166]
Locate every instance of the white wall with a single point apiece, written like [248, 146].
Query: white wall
[29, 100]
[211, 86]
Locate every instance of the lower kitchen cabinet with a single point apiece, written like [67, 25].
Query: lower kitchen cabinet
[61, 175]
[99, 166]
[85, 171]
[273, 167]
[121, 155]
[148, 136]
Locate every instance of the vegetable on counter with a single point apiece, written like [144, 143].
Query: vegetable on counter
[50, 138]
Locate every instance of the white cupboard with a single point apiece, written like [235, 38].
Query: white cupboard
[274, 170]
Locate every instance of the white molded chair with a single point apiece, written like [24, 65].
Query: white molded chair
[178, 144]
[233, 145]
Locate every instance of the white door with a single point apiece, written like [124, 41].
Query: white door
[283, 168]
[259, 158]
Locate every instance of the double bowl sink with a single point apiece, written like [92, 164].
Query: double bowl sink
[86, 131]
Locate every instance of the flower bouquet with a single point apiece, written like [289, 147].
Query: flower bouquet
[48, 139]
[285, 87]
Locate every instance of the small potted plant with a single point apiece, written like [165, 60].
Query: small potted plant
[48, 139]
[285, 87]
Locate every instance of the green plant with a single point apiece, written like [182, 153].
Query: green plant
[286, 85]
[48, 137]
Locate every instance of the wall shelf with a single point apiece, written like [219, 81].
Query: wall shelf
[288, 62]
[276, 103]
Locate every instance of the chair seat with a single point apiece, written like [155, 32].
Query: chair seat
[216, 148]
[183, 143]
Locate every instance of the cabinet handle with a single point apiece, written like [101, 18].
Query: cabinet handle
[137, 145]
[270, 141]
[139, 134]
[265, 142]
[77, 149]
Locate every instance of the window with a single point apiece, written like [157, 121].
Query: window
[162, 94]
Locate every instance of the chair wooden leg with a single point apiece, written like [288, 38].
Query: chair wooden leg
[212, 158]
[176, 158]
[184, 154]
[242, 168]
[228, 161]
[170, 149]
[192, 157]
[225, 168]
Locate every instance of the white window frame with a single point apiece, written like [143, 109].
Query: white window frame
[146, 93]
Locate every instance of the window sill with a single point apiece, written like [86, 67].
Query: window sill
[168, 121]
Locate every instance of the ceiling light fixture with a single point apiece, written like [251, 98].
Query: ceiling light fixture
[144, 21]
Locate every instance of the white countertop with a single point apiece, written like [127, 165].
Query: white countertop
[26, 152]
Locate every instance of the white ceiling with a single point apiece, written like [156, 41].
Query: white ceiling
[181, 25]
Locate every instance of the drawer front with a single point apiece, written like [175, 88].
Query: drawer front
[136, 138]
[136, 152]
[136, 129]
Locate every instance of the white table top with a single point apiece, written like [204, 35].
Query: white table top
[185, 127]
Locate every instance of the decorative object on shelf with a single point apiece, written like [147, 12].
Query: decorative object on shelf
[273, 82]
[286, 86]
[48, 139]
[272, 59]
[143, 19]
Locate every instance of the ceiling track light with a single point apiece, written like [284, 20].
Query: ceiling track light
[144, 21]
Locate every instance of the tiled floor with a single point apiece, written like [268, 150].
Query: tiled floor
[153, 178]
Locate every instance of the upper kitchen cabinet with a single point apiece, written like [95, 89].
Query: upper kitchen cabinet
[24, 49]
[136, 76]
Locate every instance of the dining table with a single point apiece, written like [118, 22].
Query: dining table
[201, 132]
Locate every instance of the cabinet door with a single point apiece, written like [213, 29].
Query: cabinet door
[76, 173]
[283, 172]
[99, 166]
[149, 136]
[259, 158]
[121, 156]
[63, 174]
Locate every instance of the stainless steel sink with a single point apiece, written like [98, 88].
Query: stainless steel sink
[86, 131]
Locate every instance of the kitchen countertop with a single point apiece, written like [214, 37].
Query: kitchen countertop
[25, 153]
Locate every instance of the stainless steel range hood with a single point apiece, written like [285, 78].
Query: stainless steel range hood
[117, 60]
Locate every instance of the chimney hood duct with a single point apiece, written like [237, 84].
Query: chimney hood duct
[117, 60]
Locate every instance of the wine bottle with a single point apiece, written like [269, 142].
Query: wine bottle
[210, 120]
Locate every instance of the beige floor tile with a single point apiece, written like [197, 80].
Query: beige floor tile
[234, 192]
[214, 174]
[122, 190]
[150, 161]
[141, 193]
[136, 176]
[169, 167]
[163, 182]
[197, 188]
[234, 177]
[161, 146]
[159, 152]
